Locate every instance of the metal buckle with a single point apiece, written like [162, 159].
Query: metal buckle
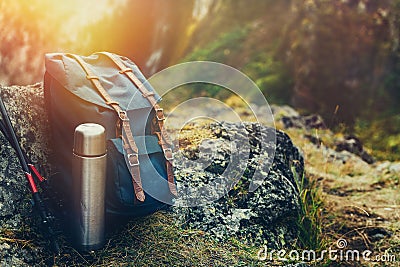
[165, 155]
[133, 164]
[162, 112]
[123, 116]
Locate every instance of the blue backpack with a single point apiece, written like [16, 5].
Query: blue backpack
[110, 90]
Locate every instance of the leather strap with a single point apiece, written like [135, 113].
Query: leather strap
[162, 135]
[125, 131]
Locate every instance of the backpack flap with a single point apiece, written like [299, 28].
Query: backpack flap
[70, 75]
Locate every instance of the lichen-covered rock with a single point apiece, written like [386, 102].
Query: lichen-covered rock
[267, 215]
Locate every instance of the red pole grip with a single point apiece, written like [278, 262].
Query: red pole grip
[36, 172]
[31, 182]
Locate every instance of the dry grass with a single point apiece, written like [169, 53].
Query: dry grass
[157, 241]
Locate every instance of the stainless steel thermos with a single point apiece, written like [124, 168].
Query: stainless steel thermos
[89, 178]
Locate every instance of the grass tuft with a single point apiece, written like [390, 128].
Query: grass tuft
[310, 216]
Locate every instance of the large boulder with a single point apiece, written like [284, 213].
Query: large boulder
[267, 215]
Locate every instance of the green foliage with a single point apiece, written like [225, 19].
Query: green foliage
[309, 220]
[339, 55]
[271, 77]
[268, 72]
[381, 136]
[340, 59]
[220, 49]
[391, 85]
[324, 54]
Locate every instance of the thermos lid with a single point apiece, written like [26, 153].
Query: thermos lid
[90, 140]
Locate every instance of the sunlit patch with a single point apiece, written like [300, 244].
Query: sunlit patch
[73, 15]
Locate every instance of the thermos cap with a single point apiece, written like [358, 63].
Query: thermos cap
[89, 140]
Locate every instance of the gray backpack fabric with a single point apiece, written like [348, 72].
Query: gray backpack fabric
[110, 90]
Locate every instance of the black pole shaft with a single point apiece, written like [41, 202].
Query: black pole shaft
[13, 137]
[5, 132]
[7, 135]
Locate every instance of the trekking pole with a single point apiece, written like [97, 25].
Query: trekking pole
[46, 218]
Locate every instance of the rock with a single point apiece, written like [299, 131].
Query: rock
[343, 156]
[267, 215]
[304, 122]
[378, 233]
[354, 145]
[25, 107]
[283, 111]
[351, 143]
[389, 167]
[395, 167]
[313, 139]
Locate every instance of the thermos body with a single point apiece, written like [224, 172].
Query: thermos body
[89, 174]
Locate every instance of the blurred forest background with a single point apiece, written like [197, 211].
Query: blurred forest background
[338, 58]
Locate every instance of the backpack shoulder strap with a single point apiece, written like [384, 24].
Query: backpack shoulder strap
[129, 144]
[163, 138]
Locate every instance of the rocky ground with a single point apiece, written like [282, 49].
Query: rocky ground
[361, 194]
